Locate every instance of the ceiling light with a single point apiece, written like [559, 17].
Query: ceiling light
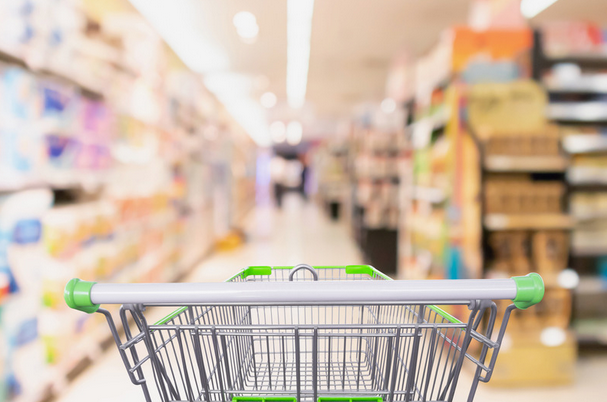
[299, 31]
[244, 19]
[183, 30]
[294, 133]
[388, 105]
[531, 8]
[278, 132]
[246, 25]
[268, 100]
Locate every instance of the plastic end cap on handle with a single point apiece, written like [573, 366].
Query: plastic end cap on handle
[77, 295]
[529, 290]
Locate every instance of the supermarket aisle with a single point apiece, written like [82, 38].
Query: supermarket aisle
[297, 233]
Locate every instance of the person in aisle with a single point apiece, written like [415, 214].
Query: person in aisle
[303, 158]
[277, 174]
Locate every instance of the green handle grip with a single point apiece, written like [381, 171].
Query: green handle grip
[77, 295]
[529, 290]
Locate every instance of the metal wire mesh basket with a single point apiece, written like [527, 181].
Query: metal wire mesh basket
[307, 334]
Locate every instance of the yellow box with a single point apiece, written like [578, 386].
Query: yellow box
[525, 361]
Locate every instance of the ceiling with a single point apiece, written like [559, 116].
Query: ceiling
[353, 43]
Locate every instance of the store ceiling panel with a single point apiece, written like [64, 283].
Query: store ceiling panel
[353, 43]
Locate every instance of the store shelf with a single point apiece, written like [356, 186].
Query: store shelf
[527, 221]
[589, 84]
[585, 143]
[590, 285]
[432, 195]
[586, 176]
[435, 121]
[586, 60]
[90, 185]
[588, 251]
[590, 216]
[17, 61]
[90, 347]
[591, 331]
[583, 112]
[440, 118]
[502, 163]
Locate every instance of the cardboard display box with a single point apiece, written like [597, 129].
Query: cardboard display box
[525, 361]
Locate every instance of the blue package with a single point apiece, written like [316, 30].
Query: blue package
[27, 231]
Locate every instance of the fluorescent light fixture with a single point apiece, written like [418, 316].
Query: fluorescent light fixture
[278, 131]
[388, 105]
[246, 25]
[299, 32]
[268, 100]
[294, 133]
[181, 24]
[233, 91]
[531, 8]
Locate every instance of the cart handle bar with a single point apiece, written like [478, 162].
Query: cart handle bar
[524, 291]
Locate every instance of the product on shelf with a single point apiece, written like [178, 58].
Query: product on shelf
[588, 205]
[21, 265]
[566, 38]
[517, 194]
[588, 169]
[492, 105]
[550, 251]
[94, 112]
[511, 251]
[546, 143]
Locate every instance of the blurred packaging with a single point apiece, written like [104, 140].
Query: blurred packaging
[517, 194]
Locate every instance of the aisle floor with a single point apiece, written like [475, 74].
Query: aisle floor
[301, 233]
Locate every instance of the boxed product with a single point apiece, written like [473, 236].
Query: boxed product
[517, 194]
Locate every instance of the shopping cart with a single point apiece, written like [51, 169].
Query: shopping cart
[292, 334]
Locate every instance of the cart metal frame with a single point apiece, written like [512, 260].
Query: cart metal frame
[286, 334]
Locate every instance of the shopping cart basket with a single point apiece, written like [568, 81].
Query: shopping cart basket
[292, 334]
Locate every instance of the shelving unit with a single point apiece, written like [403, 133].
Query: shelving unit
[501, 210]
[578, 112]
[375, 163]
[577, 104]
[585, 84]
[63, 77]
[585, 143]
[498, 222]
[433, 195]
[515, 163]
[425, 197]
[131, 170]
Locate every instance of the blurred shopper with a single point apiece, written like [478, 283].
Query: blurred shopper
[277, 174]
[303, 159]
